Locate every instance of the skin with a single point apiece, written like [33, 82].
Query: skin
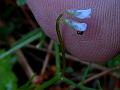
[99, 43]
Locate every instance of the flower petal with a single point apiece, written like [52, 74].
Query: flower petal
[75, 25]
[81, 14]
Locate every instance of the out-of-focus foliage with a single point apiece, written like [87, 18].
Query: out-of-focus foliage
[28, 86]
[6, 30]
[115, 61]
[21, 2]
[28, 38]
[6, 13]
[8, 80]
[69, 70]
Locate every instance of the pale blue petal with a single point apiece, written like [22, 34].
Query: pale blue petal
[75, 25]
[81, 14]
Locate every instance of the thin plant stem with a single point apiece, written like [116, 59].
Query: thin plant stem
[46, 59]
[99, 85]
[68, 81]
[61, 40]
[30, 37]
[70, 57]
[80, 87]
[86, 88]
[48, 83]
[57, 58]
[22, 60]
[86, 72]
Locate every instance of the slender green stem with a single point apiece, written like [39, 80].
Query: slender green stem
[99, 85]
[48, 83]
[60, 40]
[86, 88]
[68, 81]
[86, 72]
[80, 87]
[28, 86]
[30, 37]
[57, 56]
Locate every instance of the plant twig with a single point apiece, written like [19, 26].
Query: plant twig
[47, 58]
[68, 56]
[23, 62]
[28, 18]
[95, 66]
[101, 74]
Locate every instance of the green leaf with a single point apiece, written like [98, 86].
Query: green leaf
[21, 2]
[8, 80]
[25, 40]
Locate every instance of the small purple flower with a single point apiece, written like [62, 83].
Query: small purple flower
[76, 25]
[81, 14]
